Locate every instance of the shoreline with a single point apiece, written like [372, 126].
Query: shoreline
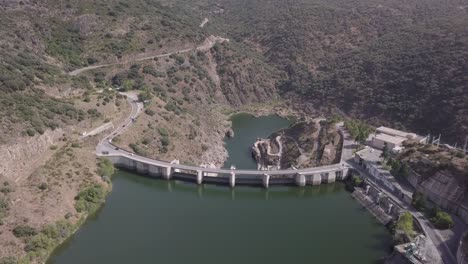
[75, 228]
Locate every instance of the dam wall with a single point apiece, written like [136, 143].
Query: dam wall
[198, 175]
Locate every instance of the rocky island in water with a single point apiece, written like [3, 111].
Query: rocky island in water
[304, 144]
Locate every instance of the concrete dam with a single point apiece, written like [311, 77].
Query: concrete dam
[231, 177]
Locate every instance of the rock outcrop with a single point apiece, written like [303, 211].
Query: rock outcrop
[305, 144]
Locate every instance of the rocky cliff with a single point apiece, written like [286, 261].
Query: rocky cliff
[304, 144]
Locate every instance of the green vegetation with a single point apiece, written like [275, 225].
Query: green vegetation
[163, 132]
[404, 68]
[385, 152]
[4, 208]
[138, 149]
[419, 201]
[405, 223]
[41, 244]
[65, 42]
[24, 231]
[357, 181]
[398, 168]
[90, 199]
[105, 168]
[442, 220]
[8, 260]
[358, 130]
[150, 112]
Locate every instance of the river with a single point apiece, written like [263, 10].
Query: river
[153, 221]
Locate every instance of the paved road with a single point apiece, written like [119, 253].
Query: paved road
[443, 250]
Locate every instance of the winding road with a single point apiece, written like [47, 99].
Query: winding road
[206, 45]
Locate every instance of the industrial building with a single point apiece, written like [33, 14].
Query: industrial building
[392, 138]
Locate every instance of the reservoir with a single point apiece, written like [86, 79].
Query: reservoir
[247, 128]
[154, 221]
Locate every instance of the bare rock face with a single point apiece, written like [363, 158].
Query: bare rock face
[20, 158]
[230, 133]
[266, 157]
[305, 144]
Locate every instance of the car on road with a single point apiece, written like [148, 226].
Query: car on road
[105, 152]
[117, 148]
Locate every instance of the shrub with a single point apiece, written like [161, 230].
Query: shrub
[170, 107]
[8, 260]
[105, 168]
[419, 201]
[4, 207]
[30, 132]
[180, 60]
[39, 242]
[24, 231]
[405, 223]
[442, 220]
[92, 60]
[89, 199]
[60, 230]
[163, 132]
[165, 141]
[137, 149]
[6, 189]
[150, 112]
[357, 181]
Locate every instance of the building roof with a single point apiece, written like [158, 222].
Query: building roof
[370, 154]
[391, 139]
[395, 132]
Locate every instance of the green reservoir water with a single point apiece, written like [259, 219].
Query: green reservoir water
[153, 221]
[247, 128]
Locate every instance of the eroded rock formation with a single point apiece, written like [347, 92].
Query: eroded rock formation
[304, 144]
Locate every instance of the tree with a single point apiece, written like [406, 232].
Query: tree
[404, 170]
[442, 220]
[145, 95]
[357, 181]
[405, 223]
[385, 153]
[419, 201]
[360, 131]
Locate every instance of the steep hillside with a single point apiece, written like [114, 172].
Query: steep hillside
[395, 62]
[47, 166]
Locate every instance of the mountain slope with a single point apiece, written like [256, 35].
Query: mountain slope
[400, 63]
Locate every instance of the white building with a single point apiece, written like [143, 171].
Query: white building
[392, 138]
[371, 161]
